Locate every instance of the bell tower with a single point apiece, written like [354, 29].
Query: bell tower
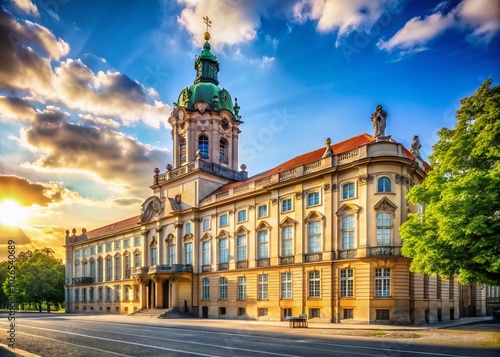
[204, 119]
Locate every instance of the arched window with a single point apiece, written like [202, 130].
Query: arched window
[205, 289]
[383, 185]
[223, 151]
[223, 288]
[203, 146]
[384, 224]
[182, 150]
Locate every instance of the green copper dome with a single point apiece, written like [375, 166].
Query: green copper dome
[206, 86]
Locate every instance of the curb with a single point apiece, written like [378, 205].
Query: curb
[15, 352]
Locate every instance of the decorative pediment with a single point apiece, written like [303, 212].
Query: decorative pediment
[137, 251]
[201, 106]
[314, 216]
[77, 262]
[108, 256]
[188, 237]
[385, 205]
[84, 261]
[222, 234]
[125, 253]
[206, 237]
[242, 230]
[348, 208]
[153, 243]
[263, 225]
[152, 207]
[100, 258]
[170, 238]
[287, 221]
[92, 260]
[118, 255]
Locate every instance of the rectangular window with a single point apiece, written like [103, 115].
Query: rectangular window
[188, 253]
[382, 282]
[263, 242]
[118, 268]
[382, 315]
[205, 289]
[206, 253]
[108, 247]
[137, 241]
[84, 294]
[117, 245]
[314, 313]
[126, 293]
[287, 312]
[223, 251]
[100, 271]
[187, 227]
[348, 232]
[347, 283]
[108, 293]
[286, 205]
[85, 252]
[262, 287]
[99, 293]
[77, 294]
[242, 216]
[109, 269]
[126, 243]
[314, 237]
[348, 190]
[348, 314]
[93, 250]
[154, 256]
[314, 290]
[137, 292]
[242, 288]
[206, 224]
[241, 247]
[384, 223]
[137, 260]
[223, 220]
[262, 211]
[287, 241]
[78, 254]
[223, 288]
[313, 199]
[99, 249]
[126, 259]
[171, 255]
[286, 285]
[92, 270]
[263, 311]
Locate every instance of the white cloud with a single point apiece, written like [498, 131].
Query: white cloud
[482, 17]
[26, 6]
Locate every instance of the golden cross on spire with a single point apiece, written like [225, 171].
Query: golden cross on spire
[207, 21]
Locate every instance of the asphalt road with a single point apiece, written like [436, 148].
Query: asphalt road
[99, 336]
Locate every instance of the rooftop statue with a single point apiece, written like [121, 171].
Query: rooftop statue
[415, 146]
[379, 118]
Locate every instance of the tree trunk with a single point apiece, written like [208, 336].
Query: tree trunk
[39, 307]
[48, 307]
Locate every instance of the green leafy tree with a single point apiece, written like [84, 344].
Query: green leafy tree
[39, 278]
[459, 232]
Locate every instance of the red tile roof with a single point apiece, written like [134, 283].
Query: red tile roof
[114, 227]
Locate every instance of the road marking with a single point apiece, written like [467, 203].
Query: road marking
[159, 338]
[74, 344]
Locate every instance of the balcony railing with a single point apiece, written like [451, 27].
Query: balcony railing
[384, 251]
[313, 257]
[174, 268]
[83, 280]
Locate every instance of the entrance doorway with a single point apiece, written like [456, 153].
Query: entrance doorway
[150, 287]
[166, 294]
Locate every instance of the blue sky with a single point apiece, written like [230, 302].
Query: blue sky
[86, 88]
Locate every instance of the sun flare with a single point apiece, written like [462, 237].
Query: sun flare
[11, 213]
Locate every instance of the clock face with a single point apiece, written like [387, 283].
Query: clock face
[181, 114]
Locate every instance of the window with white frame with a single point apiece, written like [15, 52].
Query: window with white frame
[92, 269]
[154, 256]
[348, 190]
[78, 254]
[242, 216]
[182, 150]
[347, 283]
[241, 247]
[223, 250]
[77, 294]
[286, 285]
[347, 232]
[126, 293]
[93, 250]
[223, 220]
[287, 241]
[263, 244]
[313, 199]
[108, 247]
[85, 252]
[223, 288]
[77, 269]
[91, 294]
[382, 282]
[384, 226]
[137, 259]
[203, 146]
[205, 248]
[84, 294]
[109, 269]
[206, 224]
[262, 287]
[171, 254]
[205, 289]
[313, 287]
[118, 268]
[100, 270]
[383, 185]
[286, 205]
[188, 253]
[126, 260]
[108, 293]
[223, 151]
[187, 227]
[99, 249]
[242, 288]
[137, 292]
[117, 245]
[99, 293]
[118, 292]
[126, 243]
[137, 241]
[314, 237]
[262, 211]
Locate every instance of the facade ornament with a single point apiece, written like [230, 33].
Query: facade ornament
[298, 195]
[156, 176]
[327, 186]
[415, 147]
[150, 208]
[366, 178]
[328, 150]
[335, 187]
[178, 225]
[379, 118]
[274, 201]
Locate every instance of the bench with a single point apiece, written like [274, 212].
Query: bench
[300, 321]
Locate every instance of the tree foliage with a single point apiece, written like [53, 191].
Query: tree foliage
[39, 278]
[459, 232]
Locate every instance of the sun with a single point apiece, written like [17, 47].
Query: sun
[11, 213]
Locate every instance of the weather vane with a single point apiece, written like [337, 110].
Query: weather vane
[207, 21]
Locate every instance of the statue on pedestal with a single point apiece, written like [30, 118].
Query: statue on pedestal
[379, 118]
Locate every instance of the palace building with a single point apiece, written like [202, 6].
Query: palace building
[316, 235]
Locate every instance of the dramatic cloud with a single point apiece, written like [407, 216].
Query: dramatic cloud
[27, 193]
[8, 232]
[26, 6]
[16, 109]
[481, 18]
